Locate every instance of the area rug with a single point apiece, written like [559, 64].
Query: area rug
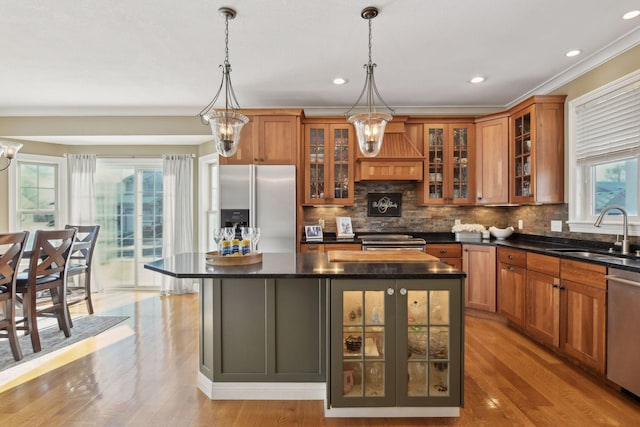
[52, 338]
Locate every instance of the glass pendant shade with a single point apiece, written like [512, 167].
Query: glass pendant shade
[370, 131]
[225, 125]
[225, 128]
[369, 125]
[8, 150]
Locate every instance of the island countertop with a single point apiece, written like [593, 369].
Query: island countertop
[302, 265]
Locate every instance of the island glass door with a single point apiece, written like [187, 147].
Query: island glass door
[363, 347]
[429, 332]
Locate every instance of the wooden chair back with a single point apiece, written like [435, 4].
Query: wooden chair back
[85, 243]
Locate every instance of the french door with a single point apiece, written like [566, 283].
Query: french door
[129, 209]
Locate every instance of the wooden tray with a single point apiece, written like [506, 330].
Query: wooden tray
[380, 256]
[214, 258]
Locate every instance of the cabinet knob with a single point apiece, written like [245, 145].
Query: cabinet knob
[510, 256]
[391, 291]
[403, 291]
[555, 286]
[510, 268]
[443, 251]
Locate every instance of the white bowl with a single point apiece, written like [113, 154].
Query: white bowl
[501, 233]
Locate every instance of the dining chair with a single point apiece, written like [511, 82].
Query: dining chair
[47, 271]
[11, 250]
[80, 262]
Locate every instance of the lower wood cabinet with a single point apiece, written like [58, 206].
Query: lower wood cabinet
[566, 307]
[267, 330]
[396, 343]
[512, 274]
[479, 262]
[583, 304]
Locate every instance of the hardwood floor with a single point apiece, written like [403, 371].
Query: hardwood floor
[144, 374]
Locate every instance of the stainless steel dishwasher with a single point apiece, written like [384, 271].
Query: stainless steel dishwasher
[623, 333]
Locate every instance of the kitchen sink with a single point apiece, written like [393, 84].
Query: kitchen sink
[589, 254]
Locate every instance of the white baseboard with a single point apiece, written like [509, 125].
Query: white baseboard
[261, 391]
[392, 412]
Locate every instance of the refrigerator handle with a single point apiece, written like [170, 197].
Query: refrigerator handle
[252, 196]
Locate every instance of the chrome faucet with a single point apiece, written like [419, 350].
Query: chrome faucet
[625, 225]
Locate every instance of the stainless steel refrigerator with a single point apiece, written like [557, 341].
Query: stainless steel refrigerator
[269, 193]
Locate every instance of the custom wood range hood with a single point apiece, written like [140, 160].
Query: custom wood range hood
[399, 158]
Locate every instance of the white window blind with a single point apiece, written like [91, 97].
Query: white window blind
[609, 124]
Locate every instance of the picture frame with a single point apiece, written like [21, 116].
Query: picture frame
[313, 232]
[344, 229]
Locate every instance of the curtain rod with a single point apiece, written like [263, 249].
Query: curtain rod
[129, 156]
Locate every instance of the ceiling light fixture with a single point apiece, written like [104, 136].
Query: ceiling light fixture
[8, 151]
[339, 81]
[225, 125]
[631, 15]
[572, 53]
[370, 124]
[478, 79]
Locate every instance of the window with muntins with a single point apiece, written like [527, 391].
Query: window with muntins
[604, 153]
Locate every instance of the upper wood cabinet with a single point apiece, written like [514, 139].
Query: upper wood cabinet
[328, 164]
[267, 140]
[492, 159]
[536, 150]
[448, 164]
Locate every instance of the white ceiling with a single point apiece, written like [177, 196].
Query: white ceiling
[161, 57]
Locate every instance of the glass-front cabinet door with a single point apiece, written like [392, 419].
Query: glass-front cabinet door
[329, 164]
[522, 166]
[448, 162]
[436, 157]
[429, 371]
[460, 164]
[396, 343]
[316, 144]
[362, 343]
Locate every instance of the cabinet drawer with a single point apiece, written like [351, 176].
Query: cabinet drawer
[544, 264]
[312, 247]
[445, 250]
[343, 247]
[512, 257]
[583, 272]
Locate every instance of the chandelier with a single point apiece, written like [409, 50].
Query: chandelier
[8, 151]
[225, 125]
[370, 124]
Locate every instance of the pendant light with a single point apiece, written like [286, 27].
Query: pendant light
[8, 150]
[370, 124]
[225, 125]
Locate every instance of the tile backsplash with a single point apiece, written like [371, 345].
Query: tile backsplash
[536, 219]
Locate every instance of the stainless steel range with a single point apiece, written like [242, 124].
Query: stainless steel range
[378, 242]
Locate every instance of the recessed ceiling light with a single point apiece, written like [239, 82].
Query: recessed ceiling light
[573, 53]
[631, 15]
[478, 79]
[339, 81]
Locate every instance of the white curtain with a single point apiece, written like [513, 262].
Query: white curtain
[82, 194]
[82, 198]
[177, 211]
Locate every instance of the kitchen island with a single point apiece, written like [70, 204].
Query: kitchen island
[371, 338]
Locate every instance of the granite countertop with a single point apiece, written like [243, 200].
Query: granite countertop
[552, 246]
[309, 265]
